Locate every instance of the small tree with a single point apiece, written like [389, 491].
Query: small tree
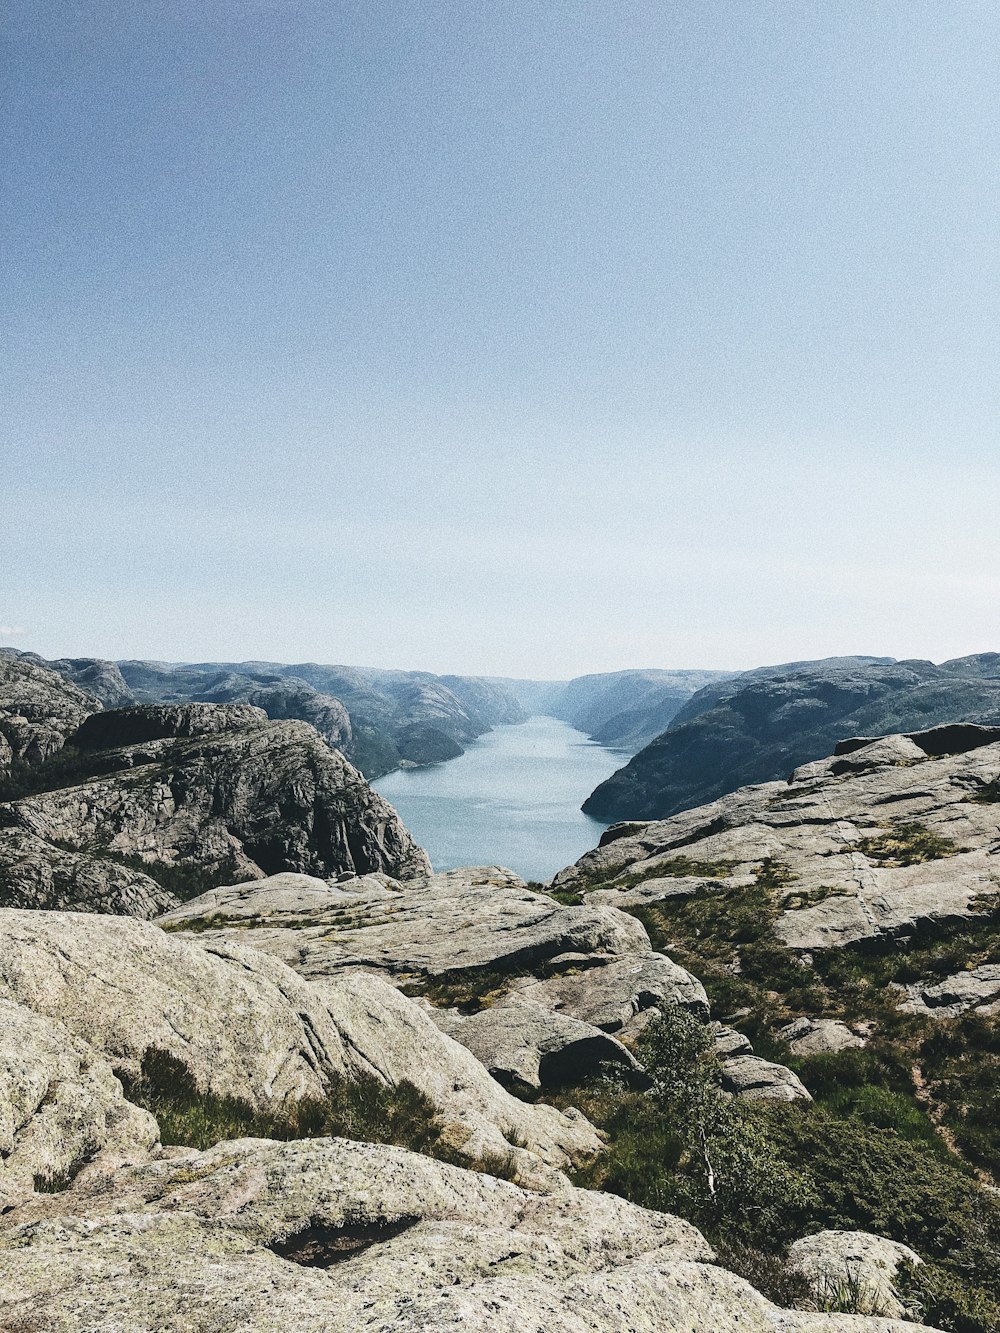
[735, 1181]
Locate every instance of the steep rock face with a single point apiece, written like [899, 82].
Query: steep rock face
[758, 727]
[38, 710]
[388, 717]
[97, 677]
[217, 790]
[132, 726]
[39, 874]
[289, 700]
[325, 1236]
[247, 1027]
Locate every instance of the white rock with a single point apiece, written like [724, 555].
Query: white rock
[834, 1260]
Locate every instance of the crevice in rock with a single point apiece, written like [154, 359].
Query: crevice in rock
[321, 1246]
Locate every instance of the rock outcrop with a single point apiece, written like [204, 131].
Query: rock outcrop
[483, 922]
[627, 709]
[246, 1027]
[187, 794]
[35, 873]
[38, 710]
[326, 1236]
[95, 676]
[526, 1048]
[872, 855]
[977, 989]
[759, 726]
[551, 988]
[838, 1263]
[615, 994]
[379, 719]
[60, 1105]
[288, 700]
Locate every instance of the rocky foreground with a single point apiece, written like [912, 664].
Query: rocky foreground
[102, 1228]
[315, 1085]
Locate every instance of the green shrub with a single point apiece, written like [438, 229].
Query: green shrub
[361, 1108]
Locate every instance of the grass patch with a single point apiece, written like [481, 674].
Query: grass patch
[362, 1108]
[907, 844]
[467, 989]
[726, 938]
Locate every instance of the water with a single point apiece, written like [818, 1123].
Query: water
[513, 799]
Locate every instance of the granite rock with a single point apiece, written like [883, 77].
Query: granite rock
[830, 1260]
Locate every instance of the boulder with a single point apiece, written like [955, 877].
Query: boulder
[754, 1079]
[608, 993]
[526, 1048]
[866, 1265]
[819, 1036]
[729, 1042]
[979, 988]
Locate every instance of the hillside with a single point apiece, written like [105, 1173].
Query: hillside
[758, 727]
[626, 709]
[132, 809]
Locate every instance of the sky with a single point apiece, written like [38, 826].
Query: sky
[500, 337]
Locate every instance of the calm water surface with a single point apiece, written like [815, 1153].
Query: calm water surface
[513, 799]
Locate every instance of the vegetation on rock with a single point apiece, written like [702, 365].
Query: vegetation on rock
[756, 1176]
[361, 1108]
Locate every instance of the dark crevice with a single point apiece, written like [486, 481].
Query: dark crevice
[322, 1246]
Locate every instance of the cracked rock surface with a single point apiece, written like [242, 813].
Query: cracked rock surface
[838, 835]
[247, 1027]
[327, 1235]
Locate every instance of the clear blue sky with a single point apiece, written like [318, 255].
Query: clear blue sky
[515, 337]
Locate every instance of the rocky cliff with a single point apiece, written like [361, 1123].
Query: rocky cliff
[379, 719]
[335, 1090]
[94, 675]
[759, 726]
[39, 708]
[175, 797]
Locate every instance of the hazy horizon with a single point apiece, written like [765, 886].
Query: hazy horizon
[508, 340]
[444, 670]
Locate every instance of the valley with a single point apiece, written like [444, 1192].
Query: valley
[733, 1068]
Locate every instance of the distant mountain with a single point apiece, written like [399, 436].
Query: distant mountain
[379, 719]
[626, 709]
[758, 726]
